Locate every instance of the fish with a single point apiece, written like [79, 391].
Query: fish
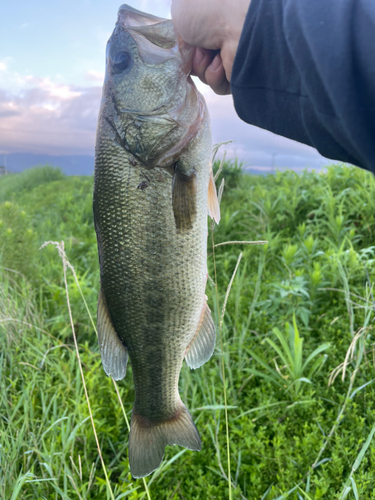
[153, 189]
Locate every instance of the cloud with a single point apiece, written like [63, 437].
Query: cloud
[95, 76]
[3, 66]
[46, 86]
[51, 118]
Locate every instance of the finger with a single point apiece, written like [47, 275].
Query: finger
[216, 78]
[202, 59]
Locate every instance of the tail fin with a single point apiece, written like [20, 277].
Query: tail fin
[147, 440]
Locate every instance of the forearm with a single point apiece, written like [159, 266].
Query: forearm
[306, 70]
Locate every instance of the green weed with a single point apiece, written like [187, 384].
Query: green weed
[294, 369]
[14, 184]
[287, 438]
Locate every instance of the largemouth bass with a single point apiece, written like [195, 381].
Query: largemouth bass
[153, 189]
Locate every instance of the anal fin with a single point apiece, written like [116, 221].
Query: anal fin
[114, 353]
[202, 345]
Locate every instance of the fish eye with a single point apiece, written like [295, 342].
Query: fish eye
[121, 61]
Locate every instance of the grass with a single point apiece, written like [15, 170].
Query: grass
[11, 186]
[310, 286]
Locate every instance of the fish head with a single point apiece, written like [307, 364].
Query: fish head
[149, 99]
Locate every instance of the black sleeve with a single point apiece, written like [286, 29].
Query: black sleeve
[305, 69]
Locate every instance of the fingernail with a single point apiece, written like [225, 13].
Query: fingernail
[216, 63]
[199, 56]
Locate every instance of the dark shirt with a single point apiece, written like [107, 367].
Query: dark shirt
[305, 69]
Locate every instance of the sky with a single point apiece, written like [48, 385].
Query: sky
[52, 57]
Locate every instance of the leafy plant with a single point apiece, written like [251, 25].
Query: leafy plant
[294, 370]
[290, 296]
[13, 184]
[17, 239]
[231, 171]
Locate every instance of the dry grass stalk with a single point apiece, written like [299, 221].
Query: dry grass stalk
[261, 242]
[66, 264]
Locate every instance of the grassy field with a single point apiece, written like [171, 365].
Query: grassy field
[297, 347]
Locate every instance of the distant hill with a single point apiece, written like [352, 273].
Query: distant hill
[69, 164]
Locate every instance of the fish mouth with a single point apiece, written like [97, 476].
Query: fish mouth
[128, 16]
[156, 38]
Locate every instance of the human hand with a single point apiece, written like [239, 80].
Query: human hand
[214, 28]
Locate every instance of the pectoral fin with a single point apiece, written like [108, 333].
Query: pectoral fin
[202, 346]
[213, 202]
[184, 198]
[114, 353]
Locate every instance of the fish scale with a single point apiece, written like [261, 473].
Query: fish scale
[151, 224]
